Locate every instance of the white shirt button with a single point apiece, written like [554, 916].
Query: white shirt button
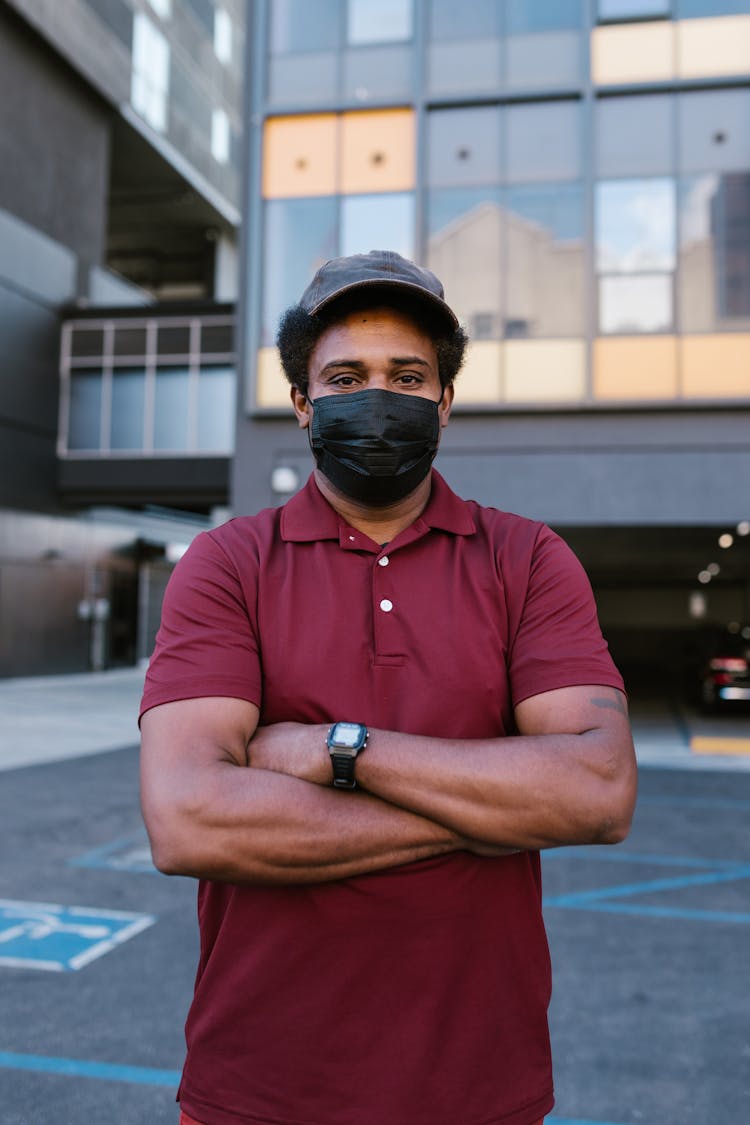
[384, 561]
[386, 605]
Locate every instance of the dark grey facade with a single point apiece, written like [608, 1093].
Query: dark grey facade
[535, 133]
[120, 166]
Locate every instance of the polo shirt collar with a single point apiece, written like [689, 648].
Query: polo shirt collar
[308, 516]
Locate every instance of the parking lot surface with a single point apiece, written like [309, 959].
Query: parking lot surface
[649, 943]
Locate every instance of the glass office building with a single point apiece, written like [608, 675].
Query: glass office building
[578, 175]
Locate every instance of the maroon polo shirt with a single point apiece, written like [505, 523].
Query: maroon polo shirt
[416, 995]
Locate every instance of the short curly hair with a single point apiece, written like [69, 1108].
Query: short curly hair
[299, 332]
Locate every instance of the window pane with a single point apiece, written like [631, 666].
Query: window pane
[309, 79]
[217, 394]
[640, 303]
[714, 131]
[540, 15]
[299, 26]
[464, 239]
[84, 424]
[543, 142]
[548, 58]
[464, 147]
[377, 73]
[544, 261]
[632, 9]
[634, 135]
[300, 234]
[150, 75]
[372, 222]
[379, 21]
[635, 225]
[171, 408]
[466, 66]
[714, 277]
[689, 9]
[128, 405]
[450, 21]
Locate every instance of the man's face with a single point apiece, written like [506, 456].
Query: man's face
[379, 348]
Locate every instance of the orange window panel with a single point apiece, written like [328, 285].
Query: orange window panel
[300, 156]
[716, 46]
[545, 370]
[716, 366]
[638, 52]
[272, 388]
[635, 368]
[377, 151]
[480, 378]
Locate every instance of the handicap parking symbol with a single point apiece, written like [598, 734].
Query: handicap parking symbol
[39, 935]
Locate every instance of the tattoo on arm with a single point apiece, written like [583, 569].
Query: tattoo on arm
[613, 703]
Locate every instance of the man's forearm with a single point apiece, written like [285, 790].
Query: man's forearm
[260, 826]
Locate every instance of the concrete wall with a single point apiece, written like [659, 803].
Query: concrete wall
[616, 469]
[54, 144]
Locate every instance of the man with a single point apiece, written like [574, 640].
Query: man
[366, 713]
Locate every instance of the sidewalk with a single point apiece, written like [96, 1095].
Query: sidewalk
[50, 718]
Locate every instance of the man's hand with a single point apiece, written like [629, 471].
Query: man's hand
[295, 749]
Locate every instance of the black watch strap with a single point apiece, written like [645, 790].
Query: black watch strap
[345, 741]
[343, 771]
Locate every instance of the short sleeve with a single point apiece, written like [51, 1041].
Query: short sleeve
[207, 642]
[558, 641]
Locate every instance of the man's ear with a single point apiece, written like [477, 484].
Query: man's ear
[445, 404]
[302, 407]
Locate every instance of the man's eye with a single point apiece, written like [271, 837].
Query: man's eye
[343, 381]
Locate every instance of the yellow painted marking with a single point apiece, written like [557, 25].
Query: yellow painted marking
[700, 744]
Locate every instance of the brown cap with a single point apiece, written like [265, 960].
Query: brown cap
[378, 270]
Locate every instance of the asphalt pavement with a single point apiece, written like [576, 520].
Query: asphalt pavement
[649, 940]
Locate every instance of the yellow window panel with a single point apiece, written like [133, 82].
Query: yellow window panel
[300, 156]
[545, 371]
[710, 47]
[272, 387]
[377, 151]
[638, 52]
[636, 368]
[716, 366]
[480, 378]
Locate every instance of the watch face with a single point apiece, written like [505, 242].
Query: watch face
[348, 735]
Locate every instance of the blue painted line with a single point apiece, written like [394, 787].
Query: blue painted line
[581, 898]
[660, 912]
[575, 1121]
[697, 802]
[615, 855]
[79, 1068]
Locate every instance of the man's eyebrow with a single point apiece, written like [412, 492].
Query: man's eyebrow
[394, 361]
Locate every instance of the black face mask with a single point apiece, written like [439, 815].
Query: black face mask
[374, 446]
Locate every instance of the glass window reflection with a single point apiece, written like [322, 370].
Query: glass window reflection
[379, 21]
[635, 225]
[128, 408]
[171, 409]
[464, 147]
[84, 419]
[449, 21]
[634, 135]
[299, 235]
[636, 303]
[464, 241]
[690, 9]
[303, 26]
[369, 221]
[217, 401]
[544, 260]
[632, 9]
[714, 276]
[543, 141]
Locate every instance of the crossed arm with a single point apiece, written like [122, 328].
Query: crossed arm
[226, 799]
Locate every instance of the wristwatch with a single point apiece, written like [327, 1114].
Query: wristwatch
[344, 742]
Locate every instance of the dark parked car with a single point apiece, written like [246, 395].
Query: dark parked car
[725, 677]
